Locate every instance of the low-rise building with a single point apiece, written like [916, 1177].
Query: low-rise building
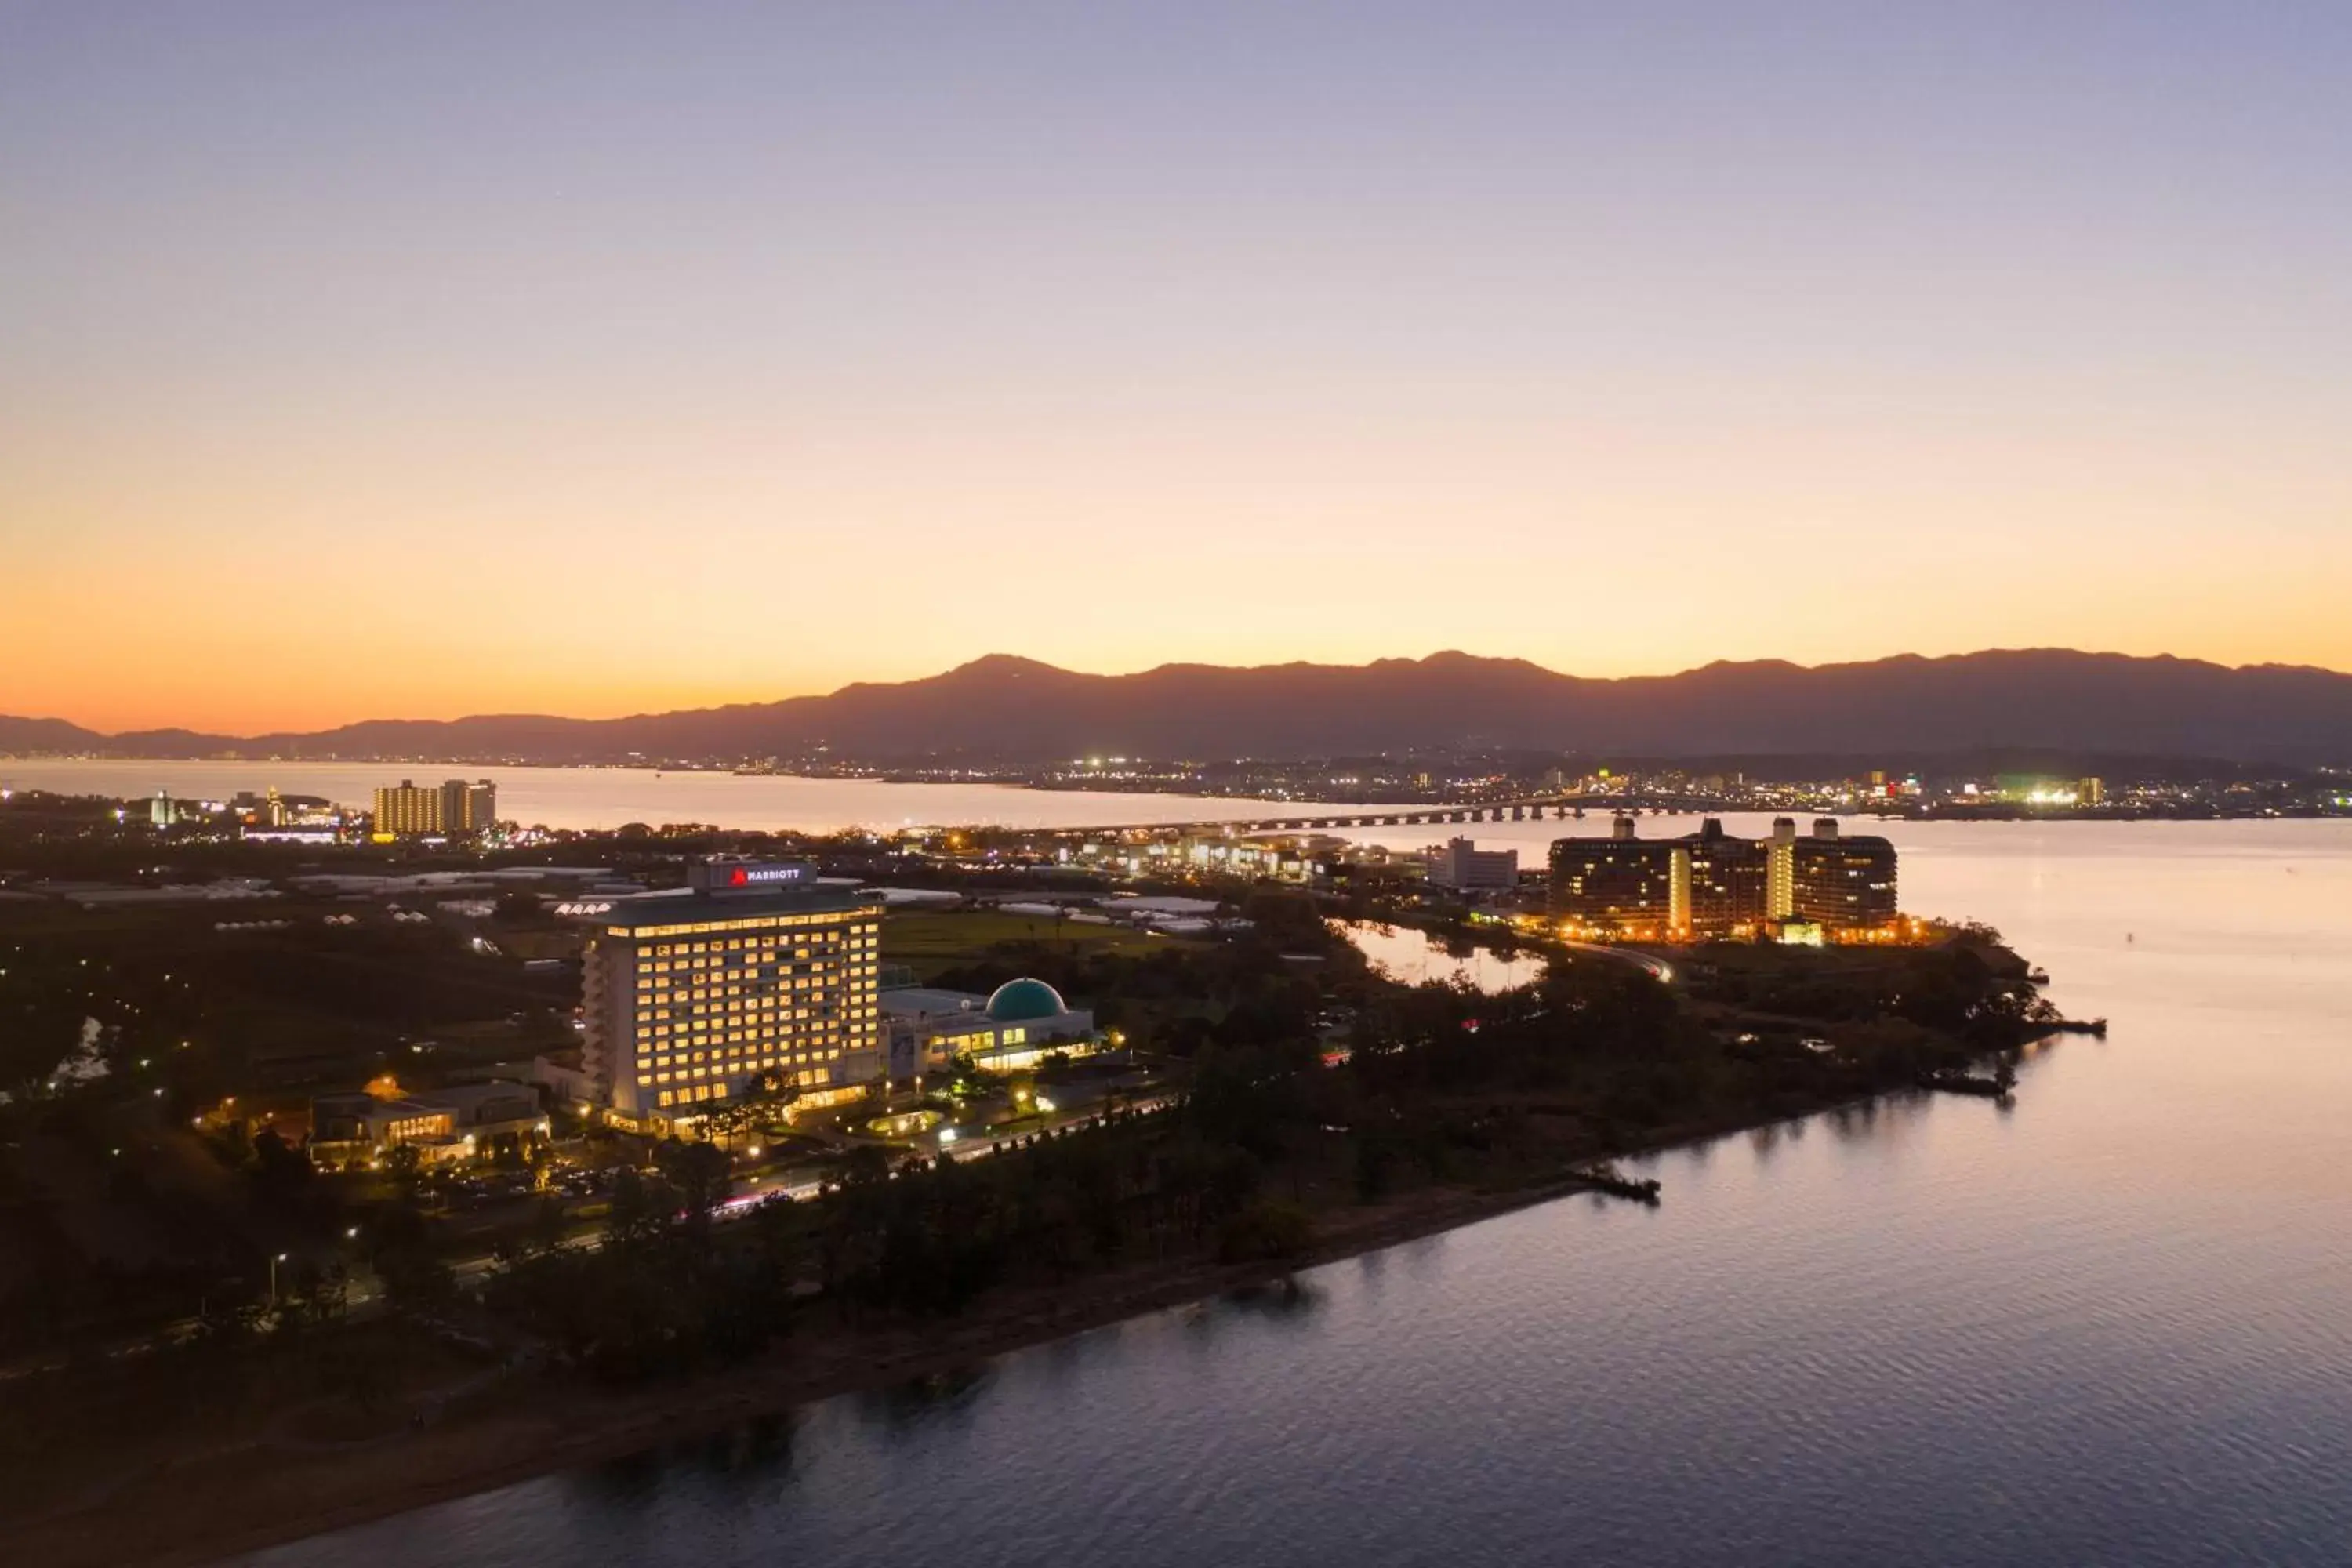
[443, 1124]
[1016, 1026]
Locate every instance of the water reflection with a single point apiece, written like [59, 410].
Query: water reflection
[1415, 957]
[925, 1398]
[2114, 1326]
[1287, 1299]
[742, 1458]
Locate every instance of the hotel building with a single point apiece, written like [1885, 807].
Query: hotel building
[752, 975]
[1709, 884]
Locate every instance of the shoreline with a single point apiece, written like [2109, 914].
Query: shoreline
[163, 1519]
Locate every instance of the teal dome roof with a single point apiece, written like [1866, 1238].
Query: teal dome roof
[1018, 1001]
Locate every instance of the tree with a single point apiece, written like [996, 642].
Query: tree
[404, 1162]
[281, 1171]
[700, 1172]
[765, 1098]
[1265, 1231]
[639, 1212]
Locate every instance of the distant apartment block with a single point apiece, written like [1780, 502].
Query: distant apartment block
[454, 808]
[1461, 865]
[1710, 884]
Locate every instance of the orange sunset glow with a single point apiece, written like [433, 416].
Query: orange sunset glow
[475, 398]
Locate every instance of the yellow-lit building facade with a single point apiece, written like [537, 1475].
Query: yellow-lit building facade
[407, 810]
[455, 807]
[1710, 885]
[753, 976]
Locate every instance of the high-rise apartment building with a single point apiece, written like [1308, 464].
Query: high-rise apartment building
[753, 975]
[469, 809]
[1839, 883]
[1618, 883]
[455, 807]
[1716, 884]
[407, 810]
[1709, 884]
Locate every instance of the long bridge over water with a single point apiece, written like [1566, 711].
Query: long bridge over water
[1527, 809]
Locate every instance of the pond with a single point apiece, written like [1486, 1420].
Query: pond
[1414, 956]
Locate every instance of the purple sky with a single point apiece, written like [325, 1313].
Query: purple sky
[419, 358]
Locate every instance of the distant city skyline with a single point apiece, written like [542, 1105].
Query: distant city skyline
[596, 359]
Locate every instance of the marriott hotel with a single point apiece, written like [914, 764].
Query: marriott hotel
[751, 973]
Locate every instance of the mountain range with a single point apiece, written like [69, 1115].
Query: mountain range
[1007, 709]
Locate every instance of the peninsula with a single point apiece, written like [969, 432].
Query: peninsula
[1270, 1101]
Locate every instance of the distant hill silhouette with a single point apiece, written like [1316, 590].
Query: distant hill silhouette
[1014, 710]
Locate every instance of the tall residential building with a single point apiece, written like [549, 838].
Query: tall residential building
[410, 810]
[1621, 882]
[754, 973]
[1843, 884]
[1709, 884]
[1718, 884]
[469, 809]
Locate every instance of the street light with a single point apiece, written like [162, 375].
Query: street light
[274, 1259]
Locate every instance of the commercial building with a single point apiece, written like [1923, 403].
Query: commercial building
[1710, 884]
[1015, 1026]
[454, 808]
[1460, 864]
[751, 978]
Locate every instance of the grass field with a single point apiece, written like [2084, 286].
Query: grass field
[934, 939]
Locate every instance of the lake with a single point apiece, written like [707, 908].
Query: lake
[588, 798]
[2111, 1325]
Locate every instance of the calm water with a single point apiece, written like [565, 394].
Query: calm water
[607, 798]
[1415, 956]
[2111, 1326]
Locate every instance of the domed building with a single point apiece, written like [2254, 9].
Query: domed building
[1024, 1001]
[1016, 1025]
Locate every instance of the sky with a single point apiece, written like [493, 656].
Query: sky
[419, 359]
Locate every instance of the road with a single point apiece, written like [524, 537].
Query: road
[1657, 968]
